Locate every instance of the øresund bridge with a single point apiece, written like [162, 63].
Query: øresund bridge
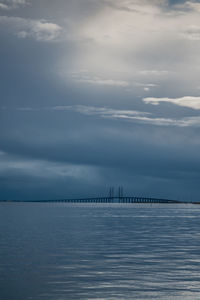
[112, 197]
[112, 200]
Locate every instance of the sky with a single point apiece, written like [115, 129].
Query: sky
[99, 93]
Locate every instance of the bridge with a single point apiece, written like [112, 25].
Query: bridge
[131, 199]
[116, 198]
[111, 198]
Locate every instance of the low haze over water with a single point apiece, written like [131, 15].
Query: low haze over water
[99, 251]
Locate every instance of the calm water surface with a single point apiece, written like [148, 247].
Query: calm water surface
[104, 252]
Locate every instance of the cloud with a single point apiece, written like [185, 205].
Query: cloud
[145, 84]
[121, 114]
[154, 72]
[41, 30]
[12, 4]
[101, 111]
[85, 77]
[187, 101]
[143, 6]
[42, 168]
[130, 115]
[124, 42]
[18, 1]
[192, 33]
[193, 5]
[101, 81]
[106, 82]
[123, 5]
[4, 6]
[36, 178]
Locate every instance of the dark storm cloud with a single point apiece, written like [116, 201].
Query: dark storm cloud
[116, 151]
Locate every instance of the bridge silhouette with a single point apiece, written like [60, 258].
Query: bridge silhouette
[112, 198]
[129, 199]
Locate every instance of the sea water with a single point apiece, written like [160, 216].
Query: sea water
[99, 251]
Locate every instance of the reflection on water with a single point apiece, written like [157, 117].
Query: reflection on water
[104, 252]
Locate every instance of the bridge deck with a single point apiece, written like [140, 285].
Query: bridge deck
[114, 200]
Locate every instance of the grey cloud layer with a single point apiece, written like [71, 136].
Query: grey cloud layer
[79, 83]
[95, 153]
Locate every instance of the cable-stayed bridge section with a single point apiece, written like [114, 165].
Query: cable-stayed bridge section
[117, 198]
[131, 199]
